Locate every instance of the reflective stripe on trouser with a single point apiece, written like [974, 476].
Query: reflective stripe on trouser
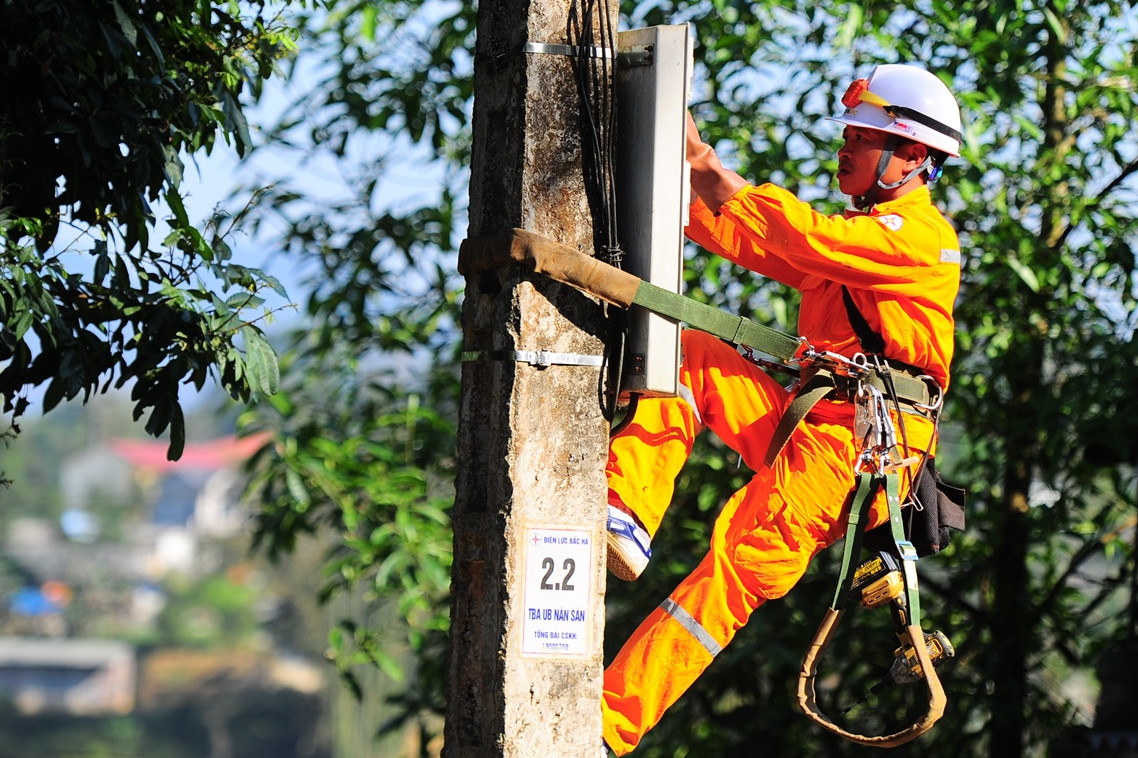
[761, 544]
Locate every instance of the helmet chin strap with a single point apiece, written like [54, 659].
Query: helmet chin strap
[868, 200]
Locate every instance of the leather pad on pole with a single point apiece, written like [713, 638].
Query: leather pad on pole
[553, 259]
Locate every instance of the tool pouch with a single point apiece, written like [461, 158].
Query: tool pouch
[935, 510]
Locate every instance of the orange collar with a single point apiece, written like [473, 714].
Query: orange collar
[916, 196]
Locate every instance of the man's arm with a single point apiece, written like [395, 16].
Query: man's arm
[897, 252]
[720, 235]
[723, 237]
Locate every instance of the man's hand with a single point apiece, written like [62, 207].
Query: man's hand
[697, 149]
[710, 181]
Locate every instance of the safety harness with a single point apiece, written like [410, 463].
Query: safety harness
[899, 587]
[871, 383]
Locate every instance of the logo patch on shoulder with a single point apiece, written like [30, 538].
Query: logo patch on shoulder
[890, 221]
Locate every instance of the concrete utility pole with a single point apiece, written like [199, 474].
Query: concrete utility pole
[527, 613]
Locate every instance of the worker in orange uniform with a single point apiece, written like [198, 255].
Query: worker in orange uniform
[896, 259]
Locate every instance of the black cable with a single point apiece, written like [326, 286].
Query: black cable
[594, 72]
[594, 75]
[626, 419]
[609, 152]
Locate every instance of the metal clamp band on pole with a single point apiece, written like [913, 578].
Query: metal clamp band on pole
[539, 358]
[551, 48]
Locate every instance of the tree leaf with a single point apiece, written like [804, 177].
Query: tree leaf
[261, 362]
[1026, 275]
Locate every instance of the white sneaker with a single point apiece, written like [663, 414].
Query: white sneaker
[629, 546]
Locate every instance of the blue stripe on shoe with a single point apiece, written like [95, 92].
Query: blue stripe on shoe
[622, 524]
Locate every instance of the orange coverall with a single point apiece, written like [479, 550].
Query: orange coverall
[901, 264]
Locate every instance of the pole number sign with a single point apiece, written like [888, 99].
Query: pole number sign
[558, 588]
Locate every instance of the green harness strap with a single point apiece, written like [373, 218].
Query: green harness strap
[867, 486]
[905, 548]
[735, 329]
[812, 392]
[741, 331]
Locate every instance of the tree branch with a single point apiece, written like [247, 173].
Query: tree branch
[1128, 170]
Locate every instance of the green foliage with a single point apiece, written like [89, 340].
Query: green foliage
[365, 418]
[101, 101]
[104, 97]
[388, 104]
[368, 466]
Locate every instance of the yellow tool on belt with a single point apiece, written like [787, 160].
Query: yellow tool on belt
[878, 580]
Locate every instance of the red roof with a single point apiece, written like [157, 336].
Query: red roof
[220, 453]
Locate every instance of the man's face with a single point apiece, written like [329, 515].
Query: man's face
[857, 160]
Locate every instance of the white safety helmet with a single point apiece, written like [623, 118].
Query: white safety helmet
[907, 101]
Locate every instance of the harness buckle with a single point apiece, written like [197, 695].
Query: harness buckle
[934, 407]
[907, 550]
